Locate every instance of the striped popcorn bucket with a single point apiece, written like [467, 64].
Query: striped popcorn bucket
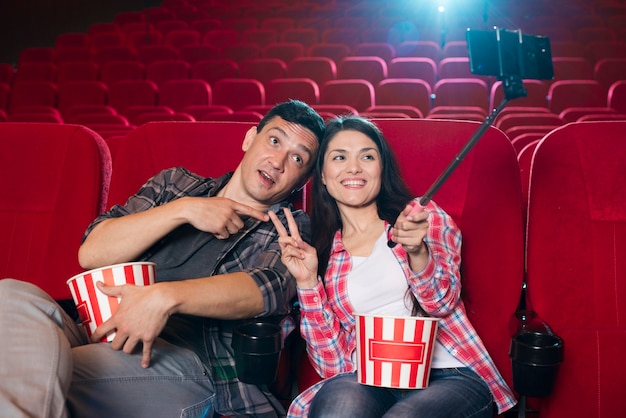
[93, 306]
[394, 352]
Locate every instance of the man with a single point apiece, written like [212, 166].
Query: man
[218, 261]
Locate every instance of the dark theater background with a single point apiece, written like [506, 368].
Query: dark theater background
[96, 96]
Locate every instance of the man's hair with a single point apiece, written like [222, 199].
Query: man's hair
[295, 111]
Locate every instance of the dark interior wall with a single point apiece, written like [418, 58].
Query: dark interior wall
[35, 23]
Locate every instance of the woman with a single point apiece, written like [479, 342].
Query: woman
[359, 203]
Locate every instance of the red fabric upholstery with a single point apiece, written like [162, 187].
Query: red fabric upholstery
[206, 148]
[59, 181]
[576, 274]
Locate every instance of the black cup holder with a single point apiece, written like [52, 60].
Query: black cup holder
[536, 357]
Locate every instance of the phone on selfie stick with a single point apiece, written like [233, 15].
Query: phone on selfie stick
[510, 56]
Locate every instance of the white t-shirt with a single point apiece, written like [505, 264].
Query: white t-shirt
[376, 284]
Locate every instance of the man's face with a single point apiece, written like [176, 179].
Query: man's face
[277, 160]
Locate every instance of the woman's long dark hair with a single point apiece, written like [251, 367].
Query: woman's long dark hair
[392, 199]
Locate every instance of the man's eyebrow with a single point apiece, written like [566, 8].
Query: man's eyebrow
[301, 146]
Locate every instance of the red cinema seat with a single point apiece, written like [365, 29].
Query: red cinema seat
[376, 49]
[44, 215]
[461, 92]
[33, 93]
[576, 93]
[206, 148]
[212, 70]
[126, 93]
[280, 90]
[370, 68]
[163, 71]
[318, 69]
[493, 241]
[609, 70]
[404, 92]
[237, 93]
[576, 280]
[36, 71]
[358, 94]
[260, 37]
[414, 67]
[335, 52]
[285, 51]
[422, 49]
[617, 96]
[75, 93]
[537, 95]
[77, 71]
[150, 53]
[263, 69]
[195, 53]
[177, 94]
[113, 71]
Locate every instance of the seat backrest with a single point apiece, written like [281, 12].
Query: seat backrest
[522, 118]
[126, 93]
[537, 95]
[237, 93]
[318, 69]
[195, 53]
[113, 71]
[241, 52]
[281, 90]
[414, 67]
[424, 49]
[575, 93]
[356, 93]
[285, 51]
[64, 178]
[176, 94]
[377, 49]
[576, 277]
[206, 148]
[263, 69]
[617, 96]
[609, 70]
[212, 70]
[163, 71]
[492, 257]
[334, 51]
[572, 68]
[370, 68]
[404, 92]
[89, 92]
[33, 93]
[461, 92]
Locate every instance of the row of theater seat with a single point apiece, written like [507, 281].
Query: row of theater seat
[368, 62]
[575, 214]
[464, 98]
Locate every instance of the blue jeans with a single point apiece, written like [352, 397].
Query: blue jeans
[450, 393]
[49, 370]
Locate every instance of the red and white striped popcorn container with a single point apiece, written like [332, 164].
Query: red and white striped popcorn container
[93, 306]
[395, 351]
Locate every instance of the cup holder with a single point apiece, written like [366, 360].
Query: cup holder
[536, 357]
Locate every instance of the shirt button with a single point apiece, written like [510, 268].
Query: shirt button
[316, 299]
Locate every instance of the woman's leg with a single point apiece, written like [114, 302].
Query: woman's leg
[343, 396]
[450, 393]
[110, 383]
[36, 337]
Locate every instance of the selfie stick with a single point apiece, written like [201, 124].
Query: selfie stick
[513, 88]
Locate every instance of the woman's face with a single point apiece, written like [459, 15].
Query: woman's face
[352, 169]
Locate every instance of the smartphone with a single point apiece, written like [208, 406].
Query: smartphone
[505, 53]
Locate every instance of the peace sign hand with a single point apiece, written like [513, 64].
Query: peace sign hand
[298, 256]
